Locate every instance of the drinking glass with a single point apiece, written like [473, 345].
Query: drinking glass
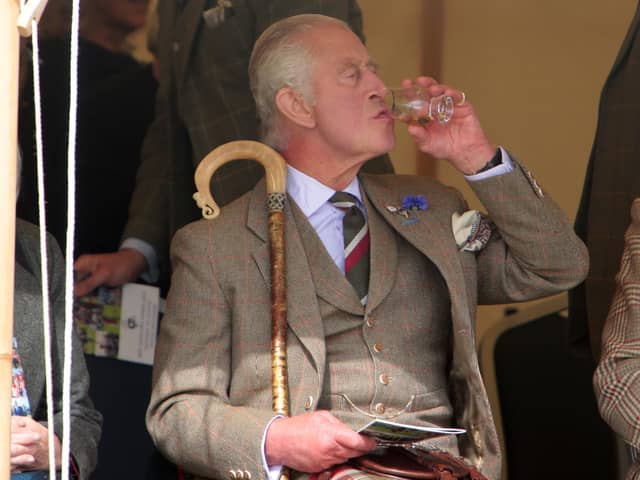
[415, 105]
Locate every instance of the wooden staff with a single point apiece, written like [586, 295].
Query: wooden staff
[276, 174]
[9, 44]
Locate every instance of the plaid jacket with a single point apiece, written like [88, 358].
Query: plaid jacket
[211, 396]
[617, 378]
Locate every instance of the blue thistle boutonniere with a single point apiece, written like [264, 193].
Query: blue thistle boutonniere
[414, 202]
[410, 204]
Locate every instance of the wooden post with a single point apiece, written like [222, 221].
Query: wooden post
[9, 53]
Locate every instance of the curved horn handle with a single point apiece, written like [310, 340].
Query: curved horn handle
[274, 166]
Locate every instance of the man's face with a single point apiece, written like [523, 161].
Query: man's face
[351, 117]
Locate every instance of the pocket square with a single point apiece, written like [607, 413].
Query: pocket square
[215, 16]
[472, 230]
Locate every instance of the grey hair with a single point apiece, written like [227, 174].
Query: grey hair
[278, 61]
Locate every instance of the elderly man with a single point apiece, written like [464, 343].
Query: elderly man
[394, 341]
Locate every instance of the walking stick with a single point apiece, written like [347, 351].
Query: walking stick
[276, 174]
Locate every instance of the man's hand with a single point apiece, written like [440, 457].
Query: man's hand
[313, 442]
[461, 141]
[30, 445]
[111, 269]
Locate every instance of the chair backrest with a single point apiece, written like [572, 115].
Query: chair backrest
[542, 398]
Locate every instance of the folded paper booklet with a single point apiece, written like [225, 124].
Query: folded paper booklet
[391, 432]
[119, 322]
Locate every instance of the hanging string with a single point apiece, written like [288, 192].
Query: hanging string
[44, 262]
[71, 216]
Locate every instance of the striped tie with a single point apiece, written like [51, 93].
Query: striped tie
[356, 243]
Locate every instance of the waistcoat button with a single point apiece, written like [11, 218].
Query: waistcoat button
[379, 408]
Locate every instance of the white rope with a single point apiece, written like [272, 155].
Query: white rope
[44, 262]
[71, 215]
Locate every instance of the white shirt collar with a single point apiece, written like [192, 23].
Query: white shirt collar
[309, 194]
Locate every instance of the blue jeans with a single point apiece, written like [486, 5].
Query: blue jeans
[35, 475]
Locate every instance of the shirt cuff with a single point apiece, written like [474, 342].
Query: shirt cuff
[273, 472]
[505, 167]
[152, 274]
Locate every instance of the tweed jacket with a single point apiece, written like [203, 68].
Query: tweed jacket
[616, 381]
[204, 101]
[211, 397]
[612, 182]
[27, 328]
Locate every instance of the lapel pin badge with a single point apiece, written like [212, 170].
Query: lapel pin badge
[410, 205]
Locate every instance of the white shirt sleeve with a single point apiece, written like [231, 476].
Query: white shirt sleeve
[274, 471]
[505, 167]
[152, 274]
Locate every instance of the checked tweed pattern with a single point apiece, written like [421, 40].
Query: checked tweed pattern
[356, 243]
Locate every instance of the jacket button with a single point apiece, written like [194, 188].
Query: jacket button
[232, 474]
[308, 404]
[384, 379]
[379, 408]
[378, 347]
[370, 322]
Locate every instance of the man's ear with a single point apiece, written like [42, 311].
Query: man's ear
[291, 104]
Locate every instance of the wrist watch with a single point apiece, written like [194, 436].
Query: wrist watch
[494, 162]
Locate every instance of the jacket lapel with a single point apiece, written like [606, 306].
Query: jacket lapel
[427, 230]
[187, 23]
[303, 312]
[384, 256]
[329, 282]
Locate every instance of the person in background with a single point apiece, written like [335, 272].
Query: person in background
[115, 107]
[611, 183]
[29, 424]
[203, 102]
[617, 377]
[384, 273]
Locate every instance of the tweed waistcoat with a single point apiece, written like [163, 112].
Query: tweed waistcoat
[405, 375]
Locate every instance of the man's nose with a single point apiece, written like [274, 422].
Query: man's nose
[378, 88]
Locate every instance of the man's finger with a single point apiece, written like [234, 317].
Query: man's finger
[89, 283]
[25, 438]
[355, 442]
[22, 460]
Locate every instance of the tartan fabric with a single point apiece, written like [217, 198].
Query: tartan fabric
[356, 243]
[345, 472]
[617, 378]
[211, 398]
